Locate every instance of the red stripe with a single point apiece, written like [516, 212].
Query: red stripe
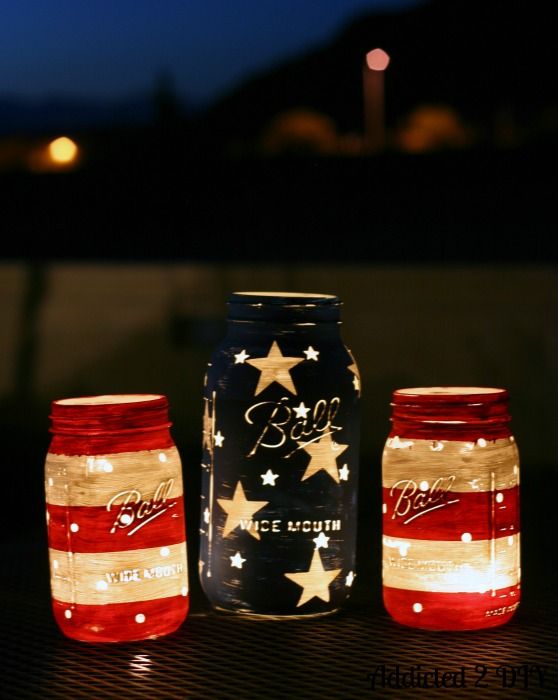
[440, 519]
[134, 441]
[95, 524]
[116, 622]
[452, 611]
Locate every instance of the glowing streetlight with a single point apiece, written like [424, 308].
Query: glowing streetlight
[62, 151]
[375, 63]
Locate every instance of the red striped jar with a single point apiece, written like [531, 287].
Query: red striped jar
[450, 473]
[115, 517]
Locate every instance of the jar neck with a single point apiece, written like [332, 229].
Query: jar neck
[289, 308]
[450, 413]
[108, 424]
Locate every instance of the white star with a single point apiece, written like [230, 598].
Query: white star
[219, 439]
[349, 578]
[206, 515]
[311, 354]
[269, 478]
[241, 357]
[237, 561]
[344, 473]
[301, 410]
[320, 541]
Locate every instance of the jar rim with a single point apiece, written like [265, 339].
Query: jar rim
[107, 399]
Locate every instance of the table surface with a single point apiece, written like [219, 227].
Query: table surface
[215, 655]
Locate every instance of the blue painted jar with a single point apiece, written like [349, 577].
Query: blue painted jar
[280, 460]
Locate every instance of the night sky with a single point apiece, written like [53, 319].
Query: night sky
[112, 49]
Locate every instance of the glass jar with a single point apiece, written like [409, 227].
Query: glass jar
[451, 509]
[280, 467]
[115, 517]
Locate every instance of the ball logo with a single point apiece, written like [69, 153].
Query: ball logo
[418, 499]
[134, 509]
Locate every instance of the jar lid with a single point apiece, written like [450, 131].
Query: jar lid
[109, 414]
[448, 411]
[287, 307]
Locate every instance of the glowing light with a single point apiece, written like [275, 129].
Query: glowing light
[162, 457]
[62, 150]
[140, 618]
[384, 508]
[67, 614]
[165, 551]
[417, 607]
[74, 527]
[499, 497]
[423, 486]
[184, 591]
[481, 442]
[101, 585]
[50, 481]
[125, 519]
[55, 564]
[377, 59]
[466, 537]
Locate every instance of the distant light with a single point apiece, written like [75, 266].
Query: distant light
[62, 150]
[377, 59]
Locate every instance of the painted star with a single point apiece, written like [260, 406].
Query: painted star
[311, 354]
[354, 369]
[344, 473]
[349, 578]
[321, 540]
[301, 411]
[218, 439]
[237, 561]
[239, 508]
[275, 368]
[207, 426]
[269, 478]
[241, 357]
[206, 515]
[323, 455]
[314, 582]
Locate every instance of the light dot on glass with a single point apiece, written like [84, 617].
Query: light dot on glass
[417, 607]
[481, 442]
[101, 585]
[50, 481]
[384, 508]
[162, 457]
[423, 486]
[184, 591]
[140, 618]
[107, 466]
[55, 564]
[499, 497]
[466, 537]
[67, 614]
[510, 540]
[74, 527]
[164, 551]
[125, 519]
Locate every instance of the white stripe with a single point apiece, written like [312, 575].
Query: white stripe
[450, 567]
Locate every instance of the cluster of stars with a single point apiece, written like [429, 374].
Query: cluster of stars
[323, 452]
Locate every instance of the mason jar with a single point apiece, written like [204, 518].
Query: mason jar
[451, 551]
[115, 517]
[280, 464]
